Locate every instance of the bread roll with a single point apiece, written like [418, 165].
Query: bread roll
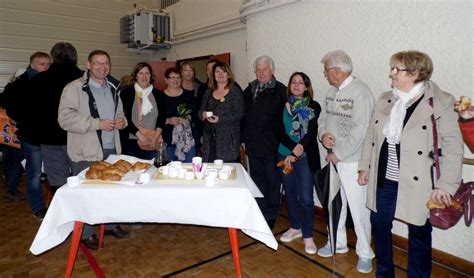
[93, 174]
[122, 167]
[140, 166]
[100, 165]
[115, 170]
[110, 177]
[125, 164]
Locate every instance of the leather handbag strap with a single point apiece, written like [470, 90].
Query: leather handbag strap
[435, 140]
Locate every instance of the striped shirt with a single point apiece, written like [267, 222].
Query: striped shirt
[392, 163]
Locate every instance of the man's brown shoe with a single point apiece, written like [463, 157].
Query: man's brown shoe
[91, 242]
[117, 232]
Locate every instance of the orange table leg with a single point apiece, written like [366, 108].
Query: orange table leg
[76, 238]
[234, 243]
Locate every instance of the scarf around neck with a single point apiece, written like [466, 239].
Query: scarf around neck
[143, 94]
[394, 126]
[301, 115]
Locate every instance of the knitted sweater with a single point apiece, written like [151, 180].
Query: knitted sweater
[346, 116]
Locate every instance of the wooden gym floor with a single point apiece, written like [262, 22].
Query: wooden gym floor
[164, 250]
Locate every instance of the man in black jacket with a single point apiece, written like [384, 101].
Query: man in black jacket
[264, 100]
[20, 104]
[49, 86]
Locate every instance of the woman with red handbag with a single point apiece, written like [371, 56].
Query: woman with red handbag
[396, 165]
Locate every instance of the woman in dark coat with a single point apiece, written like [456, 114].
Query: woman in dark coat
[221, 138]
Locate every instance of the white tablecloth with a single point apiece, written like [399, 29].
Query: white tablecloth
[229, 204]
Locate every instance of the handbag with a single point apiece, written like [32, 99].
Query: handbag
[445, 218]
[7, 131]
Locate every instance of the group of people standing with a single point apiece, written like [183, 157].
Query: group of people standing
[81, 117]
[382, 151]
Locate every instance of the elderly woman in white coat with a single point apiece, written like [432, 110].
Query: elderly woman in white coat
[396, 165]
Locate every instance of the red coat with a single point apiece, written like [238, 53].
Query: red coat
[467, 130]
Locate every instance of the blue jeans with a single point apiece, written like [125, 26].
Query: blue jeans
[419, 237]
[12, 168]
[188, 157]
[299, 196]
[34, 158]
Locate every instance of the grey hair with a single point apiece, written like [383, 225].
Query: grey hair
[338, 59]
[264, 60]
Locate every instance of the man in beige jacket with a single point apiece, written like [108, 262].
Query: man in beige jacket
[91, 112]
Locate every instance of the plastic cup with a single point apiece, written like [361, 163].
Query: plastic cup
[175, 164]
[173, 172]
[181, 173]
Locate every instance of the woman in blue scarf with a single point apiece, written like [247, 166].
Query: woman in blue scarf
[299, 146]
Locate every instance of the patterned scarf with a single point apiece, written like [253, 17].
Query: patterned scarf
[260, 88]
[302, 114]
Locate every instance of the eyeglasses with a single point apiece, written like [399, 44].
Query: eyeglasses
[327, 70]
[174, 77]
[396, 70]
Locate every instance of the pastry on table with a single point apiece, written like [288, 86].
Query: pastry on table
[123, 164]
[93, 174]
[140, 166]
[99, 165]
[110, 177]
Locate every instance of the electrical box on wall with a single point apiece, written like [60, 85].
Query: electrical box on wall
[146, 30]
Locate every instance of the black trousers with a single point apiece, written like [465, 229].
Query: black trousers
[264, 172]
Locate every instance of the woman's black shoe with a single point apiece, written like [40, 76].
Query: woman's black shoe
[117, 232]
[91, 242]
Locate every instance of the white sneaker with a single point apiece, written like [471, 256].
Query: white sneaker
[309, 246]
[290, 235]
[364, 265]
[326, 251]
